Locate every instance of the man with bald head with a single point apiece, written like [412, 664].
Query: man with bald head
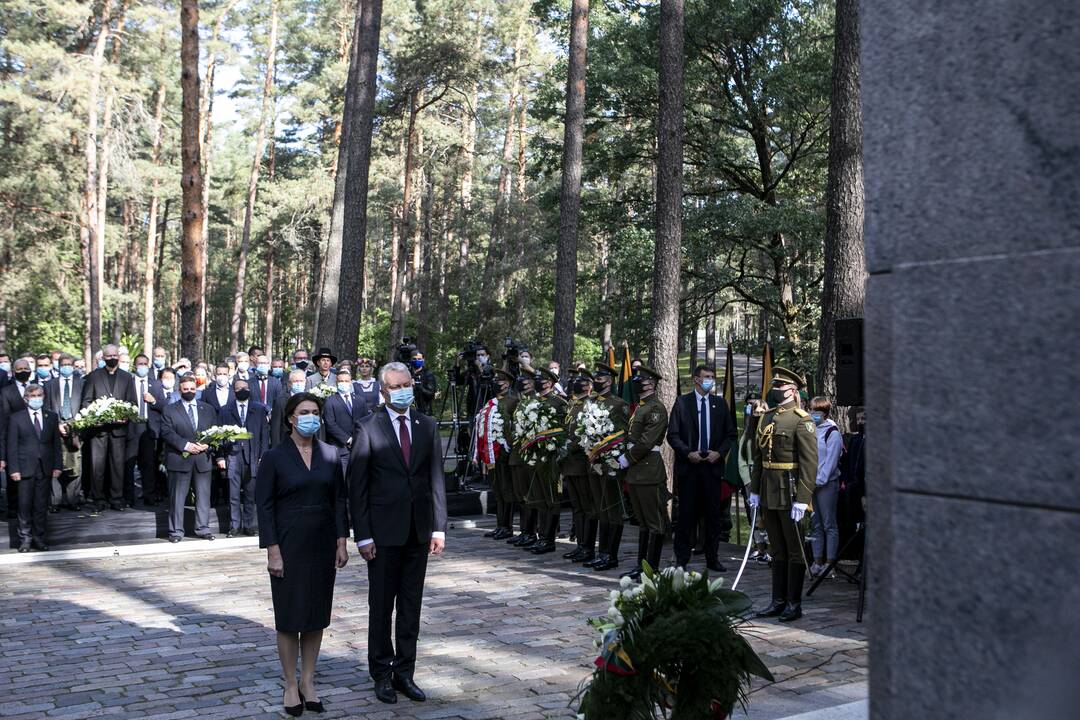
[108, 444]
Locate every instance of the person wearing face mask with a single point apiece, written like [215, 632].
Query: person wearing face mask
[824, 533]
[646, 474]
[221, 393]
[424, 383]
[143, 437]
[545, 495]
[398, 504]
[277, 370]
[62, 397]
[554, 369]
[343, 410]
[781, 486]
[521, 473]
[300, 361]
[265, 388]
[243, 367]
[44, 370]
[574, 468]
[367, 385]
[167, 378]
[605, 485]
[34, 461]
[188, 461]
[125, 361]
[502, 483]
[303, 524]
[5, 370]
[700, 432]
[108, 444]
[279, 426]
[242, 456]
[202, 380]
[158, 362]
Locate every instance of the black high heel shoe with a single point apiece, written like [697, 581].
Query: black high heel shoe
[294, 710]
[316, 707]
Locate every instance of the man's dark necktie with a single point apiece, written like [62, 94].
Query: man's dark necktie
[142, 399]
[403, 437]
[703, 430]
[348, 402]
[243, 414]
[37, 424]
[262, 390]
[191, 417]
[65, 405]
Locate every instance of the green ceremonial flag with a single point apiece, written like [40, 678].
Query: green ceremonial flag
[626, 388]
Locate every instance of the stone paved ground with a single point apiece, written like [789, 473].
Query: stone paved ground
[504, 636]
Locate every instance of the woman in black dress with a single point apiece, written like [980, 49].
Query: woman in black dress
[300, 494]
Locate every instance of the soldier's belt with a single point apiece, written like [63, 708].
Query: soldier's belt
[779, 465]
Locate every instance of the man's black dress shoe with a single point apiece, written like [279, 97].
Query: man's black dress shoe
[231, 534]
[118, 507]
[543, 547]
[574, 554]
[598, 560]
[491, 533]
[775, 609]
[716, 567]
[250, 531]
[607, 563]
[207, 536]
[24, 547]
[175, 538]
[40, 546]
[792, 612]
[408, 688]
[502, 534]
[384, 690]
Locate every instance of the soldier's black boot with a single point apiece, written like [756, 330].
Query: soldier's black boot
[642, 554]
[779, 591]
[547, 542]
[656, 550]
[588, 542]
[796, 576]
[529, 534]
[602, 546]
[579, 537]
[523, 514]
[500, 511]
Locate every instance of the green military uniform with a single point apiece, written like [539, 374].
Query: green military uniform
[521, 474]
[574, 469]
[605, 485]
[502, 478]
[783, 477]
[646, 475]
[545, 494]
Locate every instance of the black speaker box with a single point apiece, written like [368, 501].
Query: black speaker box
[849, 362]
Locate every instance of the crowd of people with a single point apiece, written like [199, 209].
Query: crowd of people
[48, 466]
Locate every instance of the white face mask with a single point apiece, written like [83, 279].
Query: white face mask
[222, 381]
[243, 366]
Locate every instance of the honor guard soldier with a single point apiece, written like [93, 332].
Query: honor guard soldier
[605, 485]
[545, 494]
[646, 474]
[781, 485]
[502, 480]
[520, 471]
[574, 469]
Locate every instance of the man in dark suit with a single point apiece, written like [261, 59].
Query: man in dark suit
[34, 460]
[143, 436]
[700, 431]
[265, 388]
[242, 462]
[62, 396]
[12, 401]
[108, 445]
[159, 362]
[343, 412]
[5, 369]
[220, 393]
[181, 424]
[398, 504]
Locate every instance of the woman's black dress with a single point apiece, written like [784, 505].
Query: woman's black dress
[304, 513]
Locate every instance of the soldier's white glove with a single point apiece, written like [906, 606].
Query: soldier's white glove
[623, 462]
[797, 511]
[753, 500]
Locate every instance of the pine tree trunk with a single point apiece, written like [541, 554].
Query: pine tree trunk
[570, 192]
[710, 340]
[149, 280]
[354, 225]
[253, 179]
[397, 302]
[667, 255]
[468, 156]
[191, 243]
[89, 233]
[327, 313]
[845, 265]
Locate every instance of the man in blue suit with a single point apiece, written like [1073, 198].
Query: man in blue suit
[143, 436]
[343, 412]
[265, 388]
[242, 462]
[187, 460]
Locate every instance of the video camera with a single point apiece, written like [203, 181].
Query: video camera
[512, 349]
[404, 351]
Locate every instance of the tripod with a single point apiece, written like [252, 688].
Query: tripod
[858, 577]
[465, 467]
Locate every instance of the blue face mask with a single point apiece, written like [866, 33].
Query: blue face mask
[159, 363]
[308, 425]
[43, 372]
[277, 372]
[67, 370]
[142, 370]
[345, 388]
[5, 366]
[708, 384]
[35, 403]
[262, 369]
[818, 418]
[417, 363]
[297, 387]
[100, 364]
[402, 398]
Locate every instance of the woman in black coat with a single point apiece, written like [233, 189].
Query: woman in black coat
[301, 499]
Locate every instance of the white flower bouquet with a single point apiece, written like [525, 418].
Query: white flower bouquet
[537, 428]
[105, 411]
[596, 434]
[322, 391]
[219, 436]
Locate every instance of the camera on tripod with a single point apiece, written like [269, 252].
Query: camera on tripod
[511, 355]
[404, 351]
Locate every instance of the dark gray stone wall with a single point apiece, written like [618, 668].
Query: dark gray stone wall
[971, 116]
